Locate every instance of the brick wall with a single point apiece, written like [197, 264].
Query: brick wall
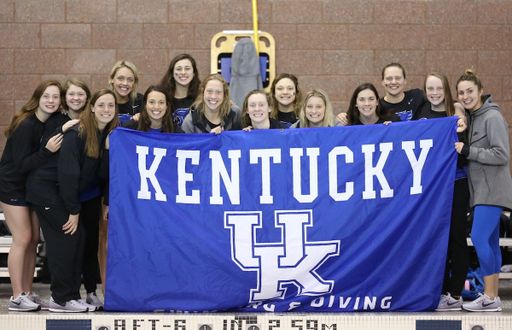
[330, 44]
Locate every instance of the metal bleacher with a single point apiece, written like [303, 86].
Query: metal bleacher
[5, 247]
[6, 241]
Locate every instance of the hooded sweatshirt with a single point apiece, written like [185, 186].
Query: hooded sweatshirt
[245, 71]
[489, 157]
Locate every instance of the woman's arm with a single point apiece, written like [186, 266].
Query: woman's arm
[69, 172]
[22, 139]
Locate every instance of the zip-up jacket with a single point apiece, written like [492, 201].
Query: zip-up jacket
[489, 157]
[193, 124]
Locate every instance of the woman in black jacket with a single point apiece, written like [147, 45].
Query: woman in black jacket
[21, 155]
[59, 204]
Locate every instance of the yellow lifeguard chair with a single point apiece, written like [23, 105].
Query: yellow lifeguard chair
[223, 45]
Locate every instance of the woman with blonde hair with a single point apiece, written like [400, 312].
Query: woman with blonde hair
[212, 111]
[124, 80]
[316, 111]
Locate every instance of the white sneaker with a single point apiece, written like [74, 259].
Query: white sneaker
[506, 268]
[90, 308]
[93, 299]
[483, 304]
[448, 303]
[45, 305]
[71, 306]
[22, 303]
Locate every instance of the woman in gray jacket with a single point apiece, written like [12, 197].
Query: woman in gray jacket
[490, 183]
[212, 112]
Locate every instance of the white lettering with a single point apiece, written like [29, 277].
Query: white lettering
[333, 174]
[370, 171]
[146, 174]
[293, 305]
[345, 304]
[219, 170]
[370, 302]
[296, 154]
[417, 164]
[265, 155]
[184, 177]
[385, 303]
[269, 307]
[318, 302]
[331, 301]
[341, 185]
[356, 305]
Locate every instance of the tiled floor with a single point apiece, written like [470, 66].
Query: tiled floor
[43, 290]
[462, 320]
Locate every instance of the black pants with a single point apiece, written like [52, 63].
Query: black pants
[90, 218]
[64, 252]
[457, 261]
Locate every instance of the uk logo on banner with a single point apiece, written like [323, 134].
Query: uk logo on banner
[326, 220]
[293, 260]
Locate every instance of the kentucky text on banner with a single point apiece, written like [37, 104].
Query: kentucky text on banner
[324, 220]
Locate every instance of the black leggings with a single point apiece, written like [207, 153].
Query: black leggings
[64, 253]
[457, 260]
[90, 218]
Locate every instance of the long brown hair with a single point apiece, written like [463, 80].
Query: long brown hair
[89, 126]
[246, 119]
[145, 121]
[168, 81]
[297, 103]
[31, 106]
[225, 106]
[448, 100]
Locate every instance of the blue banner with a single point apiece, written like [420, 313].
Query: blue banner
[322, 220]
